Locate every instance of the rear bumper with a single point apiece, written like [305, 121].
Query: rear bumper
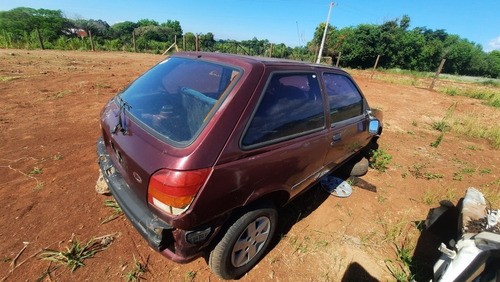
[161, 236]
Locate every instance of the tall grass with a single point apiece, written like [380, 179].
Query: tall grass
[472, 126]
[490, 96]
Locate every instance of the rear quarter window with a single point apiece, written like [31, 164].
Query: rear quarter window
[177, 98]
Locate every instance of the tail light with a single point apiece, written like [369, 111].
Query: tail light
[172, 191]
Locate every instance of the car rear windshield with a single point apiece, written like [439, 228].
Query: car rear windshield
[176, 98]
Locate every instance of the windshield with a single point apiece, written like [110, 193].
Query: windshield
[176, 98]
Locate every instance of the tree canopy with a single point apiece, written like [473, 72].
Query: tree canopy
[399, 46]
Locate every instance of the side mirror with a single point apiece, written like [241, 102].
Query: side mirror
[373, 126]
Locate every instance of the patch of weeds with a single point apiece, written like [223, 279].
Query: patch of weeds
[35, 170]
[58, 157]
[39, 186]
[457, 176]
[429, 197]
[380, 160]
[410, 132]
[414, 123]
[490, 97]
[61, 94]
[438, 140]
[117, 211]
[381, 199]
[76, 252]
[8, 78]
[443, 125]
[135, 274]
[190, 275]
[418, 171]
[473, 148]
[474, 126]
[6, 259]
[431, 176]
[321, 243]
[492, 194]
[401, 269]
[484, 171]
[103, 85]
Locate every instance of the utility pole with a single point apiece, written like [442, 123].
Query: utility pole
[320, 53]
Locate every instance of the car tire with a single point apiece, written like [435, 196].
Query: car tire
[360, 168]
[244, 243]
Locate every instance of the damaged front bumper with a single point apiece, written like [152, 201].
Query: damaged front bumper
[161, 236]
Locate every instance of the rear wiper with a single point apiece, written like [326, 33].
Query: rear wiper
[122, 119]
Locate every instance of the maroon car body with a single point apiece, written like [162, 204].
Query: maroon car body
[231, 131]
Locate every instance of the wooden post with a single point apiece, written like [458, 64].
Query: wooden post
[196, 42]
[375, 66]
[338, 59]
[91, 41]
[437, 74]
[39, 37]
[133, 42]
[271, 51]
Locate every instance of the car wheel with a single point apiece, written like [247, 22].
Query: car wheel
[360, 168]
[244, 243]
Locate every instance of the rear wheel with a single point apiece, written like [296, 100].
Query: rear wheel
[244, 243]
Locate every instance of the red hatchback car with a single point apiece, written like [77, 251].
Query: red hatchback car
[202, 149]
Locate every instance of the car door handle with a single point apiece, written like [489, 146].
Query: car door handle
[337, 138]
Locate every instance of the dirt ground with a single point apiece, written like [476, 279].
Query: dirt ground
[49, 122]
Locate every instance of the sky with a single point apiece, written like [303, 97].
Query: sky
[292, 22]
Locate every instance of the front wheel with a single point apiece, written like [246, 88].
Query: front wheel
[244, 243]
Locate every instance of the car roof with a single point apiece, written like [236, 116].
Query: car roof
[245, 59]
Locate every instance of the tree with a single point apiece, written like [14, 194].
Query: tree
[174, 27]
[97, 27]
[147, 22]
[207, 41]
[22, 21]
[123, 29]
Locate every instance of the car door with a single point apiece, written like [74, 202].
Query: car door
[287, 132]
[348, 118]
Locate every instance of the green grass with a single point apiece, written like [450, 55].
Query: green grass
[76, 253]
[491, 97]
[136, 273]
[380, 160]
[473, 126]
[117, 211]
[36, 170]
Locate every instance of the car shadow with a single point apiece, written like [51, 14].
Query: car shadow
[356, 272]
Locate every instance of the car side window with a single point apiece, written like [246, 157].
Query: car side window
[291, 106]
[344, 98]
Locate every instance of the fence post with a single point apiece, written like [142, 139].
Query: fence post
[338, 59]
[39, 37]
[375, 67]
[437, 74]
[271, 51]
[91, 41]
[133, 42]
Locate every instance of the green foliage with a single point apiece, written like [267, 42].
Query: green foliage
[137, 272]
[418, 49]
[76, 253]
[380, 160]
